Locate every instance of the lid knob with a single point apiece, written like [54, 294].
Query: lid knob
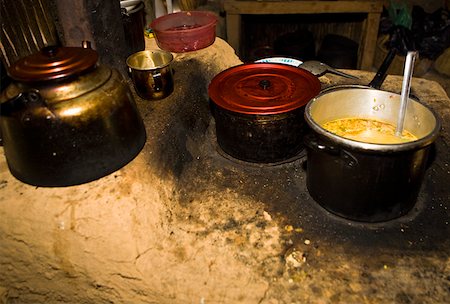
[50, 51]
[264, 84]
[86, 44]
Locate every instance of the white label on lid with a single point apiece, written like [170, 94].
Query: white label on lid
[283, 60]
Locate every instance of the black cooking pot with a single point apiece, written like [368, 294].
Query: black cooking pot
[366, 181]
[259, 110]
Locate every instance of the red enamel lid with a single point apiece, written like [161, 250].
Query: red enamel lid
[53, 63]
[263, 88]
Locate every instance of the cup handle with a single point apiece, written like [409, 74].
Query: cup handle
[157, 82]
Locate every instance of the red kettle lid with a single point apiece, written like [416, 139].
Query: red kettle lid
[53, 63]
[263, 88]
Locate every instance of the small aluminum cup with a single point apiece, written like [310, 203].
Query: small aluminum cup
[151, 73]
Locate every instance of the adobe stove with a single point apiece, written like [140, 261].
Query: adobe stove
[183, 223]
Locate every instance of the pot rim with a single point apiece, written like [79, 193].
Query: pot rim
[133, 66]
[260, 117]
[159, 25]
[365, 146]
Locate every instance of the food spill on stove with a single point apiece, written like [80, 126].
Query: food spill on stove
[294, 258]
[267, 216]
[290, 228]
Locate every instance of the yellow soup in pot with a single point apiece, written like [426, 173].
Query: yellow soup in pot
[368, 130]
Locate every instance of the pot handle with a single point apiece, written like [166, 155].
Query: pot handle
[381, 74]
[312, 142]
[157, 81]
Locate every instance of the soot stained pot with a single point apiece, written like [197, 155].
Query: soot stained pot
[66, 120]
[365, 181]
[259, 108]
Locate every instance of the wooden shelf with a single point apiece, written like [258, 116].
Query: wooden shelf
[372, 9]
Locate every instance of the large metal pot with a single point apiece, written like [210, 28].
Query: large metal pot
[366, 181]
[258, 110]
[66, 120]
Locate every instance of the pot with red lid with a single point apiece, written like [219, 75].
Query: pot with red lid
[66, 120]
[259, 110]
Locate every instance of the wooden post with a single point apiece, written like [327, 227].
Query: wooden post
[234, 31]
[369, 41]
[99, 22]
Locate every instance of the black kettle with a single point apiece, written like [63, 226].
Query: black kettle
[67, 120]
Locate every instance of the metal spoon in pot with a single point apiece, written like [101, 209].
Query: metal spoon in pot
[406, 87]
[316, 68]
[319, 68]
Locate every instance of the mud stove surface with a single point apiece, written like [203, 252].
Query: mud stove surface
[184, 223]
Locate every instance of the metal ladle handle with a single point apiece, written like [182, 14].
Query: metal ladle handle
[334, 71]
[318, 69]
[406, 88]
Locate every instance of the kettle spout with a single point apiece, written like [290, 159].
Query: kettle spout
[20, 102]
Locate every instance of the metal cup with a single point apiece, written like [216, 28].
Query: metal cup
[151, 73]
